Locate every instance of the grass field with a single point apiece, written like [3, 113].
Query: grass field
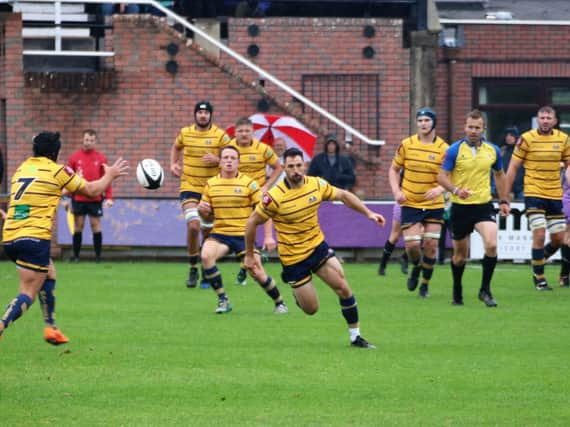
[147, 351]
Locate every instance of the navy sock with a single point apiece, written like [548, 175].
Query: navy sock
[193, 260]
[388, 249]
[349, 310]
[427, 269]
[271, 289]
[47, 301]
[16, 308]
[214, 278]
[538, 263]
[549, 250]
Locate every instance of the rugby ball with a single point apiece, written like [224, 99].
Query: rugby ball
[150, 174]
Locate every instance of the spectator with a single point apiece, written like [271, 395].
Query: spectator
[107, 9]
[333, 166]
[511, 138]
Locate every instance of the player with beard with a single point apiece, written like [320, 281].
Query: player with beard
[194, 158]
[293, 206]
[540, 151]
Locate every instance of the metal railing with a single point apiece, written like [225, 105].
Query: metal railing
[350, 131]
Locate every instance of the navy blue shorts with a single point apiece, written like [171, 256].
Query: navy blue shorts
[235, 243]
[190, 196]
[30, 253]
[465, 217]
[87, 208]
[300, 273]
[550, 208]
[411, 216]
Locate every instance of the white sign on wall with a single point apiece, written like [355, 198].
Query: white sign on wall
[514, 239]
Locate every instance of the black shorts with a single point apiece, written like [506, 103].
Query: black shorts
[87, 208]
[189, 196]
[465, 217]
[411, 216]
[299, 274]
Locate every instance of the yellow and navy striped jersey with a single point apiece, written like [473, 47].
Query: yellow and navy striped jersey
[254, 158]
[471, 167]
[34, 195]
[294, 214]
[232, 201]
[541, 156]
[196, 144]
[422, 163]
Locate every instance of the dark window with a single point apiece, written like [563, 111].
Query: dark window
[514, 102]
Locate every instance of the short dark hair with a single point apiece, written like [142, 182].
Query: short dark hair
[475, 115]
[90, 132]
[243, 121]
[547, 109]
[292, 152]
[230, 147]
[46, 144]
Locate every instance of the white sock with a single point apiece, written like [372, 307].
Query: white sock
[354, 332]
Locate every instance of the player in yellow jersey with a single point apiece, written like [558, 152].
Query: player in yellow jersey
[466, 174]
[231, 197]
[194, 158]
[540, 151]
[293, 205]
[255, 158]
[420, 196]
[34, 195]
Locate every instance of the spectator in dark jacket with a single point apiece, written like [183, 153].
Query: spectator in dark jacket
[511, 138]
[331, 165]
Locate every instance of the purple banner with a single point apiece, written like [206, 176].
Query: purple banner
[153, 222]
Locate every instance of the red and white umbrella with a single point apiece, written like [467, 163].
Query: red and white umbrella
[267, 128]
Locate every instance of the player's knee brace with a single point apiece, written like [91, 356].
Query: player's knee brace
[434, 235]
[414, 238]
[556, 225]
[191, 214]
[536, 221]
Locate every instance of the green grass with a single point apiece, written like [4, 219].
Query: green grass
[147, 351]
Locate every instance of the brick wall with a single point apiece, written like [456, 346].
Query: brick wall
[141, 116]
[495, 51]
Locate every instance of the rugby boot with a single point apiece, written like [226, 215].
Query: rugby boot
[361, 343]
[281, 309]
[54, 336]
[192, 278]
[541, 284]
[487, 298]
[224, 306]
[414, 277]
[241, 278]
[423, 293]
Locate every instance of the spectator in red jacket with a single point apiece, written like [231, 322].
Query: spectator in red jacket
[88, 163]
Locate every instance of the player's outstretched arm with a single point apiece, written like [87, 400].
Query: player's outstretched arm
[356, 204]
[95, 188]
